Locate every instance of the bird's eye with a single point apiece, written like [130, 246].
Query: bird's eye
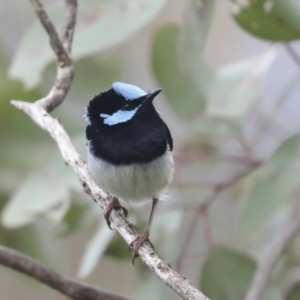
[126, 106]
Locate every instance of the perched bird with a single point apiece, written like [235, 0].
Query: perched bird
[129, 149]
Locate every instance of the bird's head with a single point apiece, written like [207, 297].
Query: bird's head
[118, 105]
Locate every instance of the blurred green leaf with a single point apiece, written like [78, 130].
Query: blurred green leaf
[13, 122]
[37, 233]
[46, 192]
[100, 25]
[117, 248]
[182, 90]
[276, 183]
[194, 32]
[272, 293]
[20, 137]
[152, 289]
[18, 238]
[95, 249]
[217, 129]
[38, 247]
[274, 20]
[238, 86]
[80, 214]
[94, 74]
[294, 295]
[226, 274]
[166, 224]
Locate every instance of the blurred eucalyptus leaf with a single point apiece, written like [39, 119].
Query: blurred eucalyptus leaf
[294, 294]
[35, 240]
[12, 122]
[226, 274]
[238, 85]
[18, 238]
[272, 293]
[81, 213]
[274, 20]
[217, 129]
[164, 230]
[167, 221]
[182, 90]
[275, 184]
[19, 136]
[45, 193]
[95, 74]
[117, 248]
[194, 32]
[151, 289]
[42, 246]
[95, 249]
[100, 25]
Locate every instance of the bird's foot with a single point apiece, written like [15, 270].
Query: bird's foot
[114, 203]
[137, 243]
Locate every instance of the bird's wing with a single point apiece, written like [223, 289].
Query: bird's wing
[169, 139]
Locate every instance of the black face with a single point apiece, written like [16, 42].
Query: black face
[108, 103]
[124, 131]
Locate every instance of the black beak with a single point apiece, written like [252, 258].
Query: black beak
[151, 95]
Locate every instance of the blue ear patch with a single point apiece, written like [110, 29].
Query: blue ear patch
[120, 116]
[128, 91]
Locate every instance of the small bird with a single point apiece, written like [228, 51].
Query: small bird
[129, 149]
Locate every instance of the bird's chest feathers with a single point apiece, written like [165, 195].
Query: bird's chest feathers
[134, 182]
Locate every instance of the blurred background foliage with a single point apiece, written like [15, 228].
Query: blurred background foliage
[229, 71]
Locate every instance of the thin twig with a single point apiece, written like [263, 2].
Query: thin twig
[265, 266]
[192, 227]
[65, 70]
[67, 286]
[69, 28]
[291, 283]
[55, 40]
[293, 54]
[269, 119]
[192, 184]
[203, 207]
[198, 156]
[273, 129]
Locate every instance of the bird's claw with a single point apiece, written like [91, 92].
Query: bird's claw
[137, 243]
[114, 203]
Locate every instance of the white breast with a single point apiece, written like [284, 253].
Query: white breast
[135, 182]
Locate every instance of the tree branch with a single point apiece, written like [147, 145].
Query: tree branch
[62, 50]
[67, 286]
[55, 41]
[69, 28]
[38, 112]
